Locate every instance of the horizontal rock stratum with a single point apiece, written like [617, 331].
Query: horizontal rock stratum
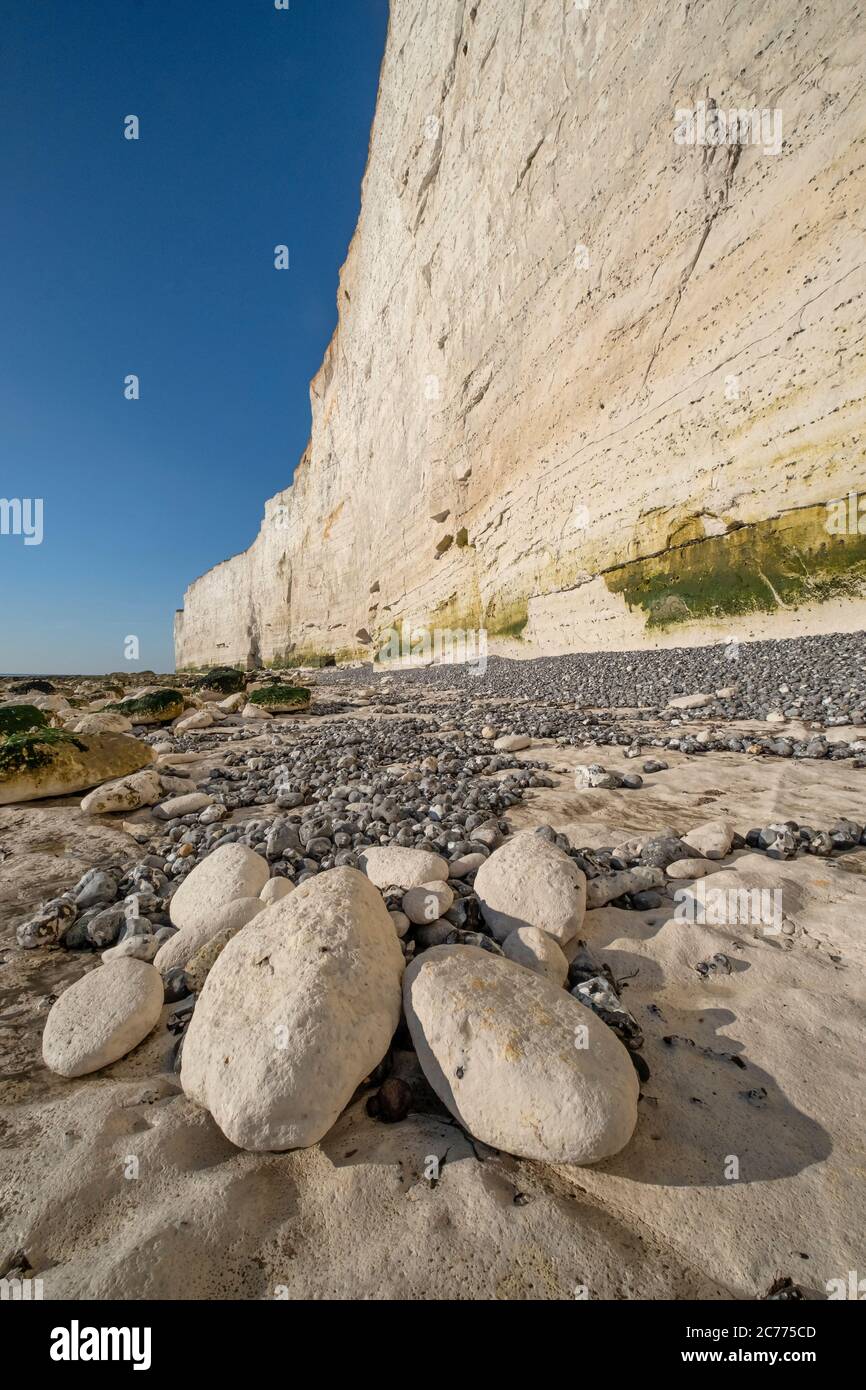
[592, 385]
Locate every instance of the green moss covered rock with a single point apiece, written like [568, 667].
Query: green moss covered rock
[22, 687]
[17, 719]
[33, 749]
[159, 707]
[219, 682]
[282, 699]
[52, 762]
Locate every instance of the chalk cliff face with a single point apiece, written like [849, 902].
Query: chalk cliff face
[594, 381]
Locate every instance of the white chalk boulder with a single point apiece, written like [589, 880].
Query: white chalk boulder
[186, 805]
[529, 882]
[427, 903]
[140, 947]
[520, 1063]
[255, 712]
[692, 868]
[195, 719]
[275, 889]
[232, 704]
[392, 866]
[295, 1013]
[535, 950]
[100, 723]
[181, 947]
[228, 872]
[712, 840]
[102, 1016]
[124, 794]
[696, 701]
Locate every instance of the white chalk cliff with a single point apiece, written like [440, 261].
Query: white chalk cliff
[592, 385]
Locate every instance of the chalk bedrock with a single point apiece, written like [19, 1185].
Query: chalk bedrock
[549, 314]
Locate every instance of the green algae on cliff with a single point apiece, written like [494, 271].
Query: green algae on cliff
[313, 660]
[780, 562]
[512, 622]
[505, 616]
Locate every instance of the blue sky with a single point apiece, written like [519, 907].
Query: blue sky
[156, 257]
